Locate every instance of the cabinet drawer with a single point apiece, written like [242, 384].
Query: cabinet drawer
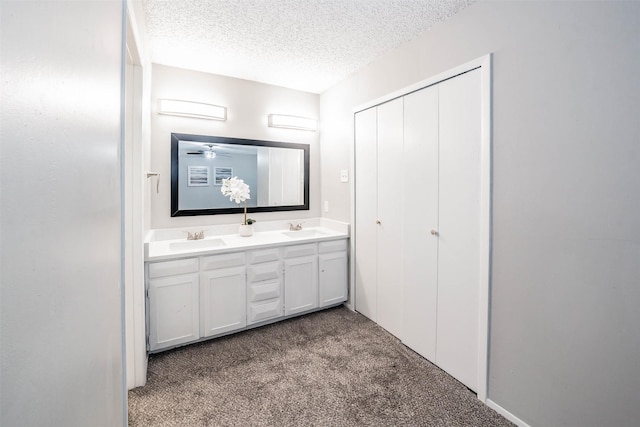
[264, 291]
[223, 261]
[264, 311]
[332, 246]
[299, 250]
[264, 271]
[265, 255]
[172, 268]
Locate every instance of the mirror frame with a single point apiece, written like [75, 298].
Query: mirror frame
[177, 137]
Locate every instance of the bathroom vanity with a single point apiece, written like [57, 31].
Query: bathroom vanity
[225, 283]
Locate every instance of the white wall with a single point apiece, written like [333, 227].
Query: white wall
[565, 298]
[60, 225]
[248, 105]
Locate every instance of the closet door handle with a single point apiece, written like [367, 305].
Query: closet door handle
[433, 232]
[378, 222]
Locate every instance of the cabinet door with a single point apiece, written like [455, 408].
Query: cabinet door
[300, 284]
[333, 278]
[420, 213]
[365, 259]
[223, 300]
[389, 206]
[173, 311]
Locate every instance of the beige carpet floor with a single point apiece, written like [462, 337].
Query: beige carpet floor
[331, 368]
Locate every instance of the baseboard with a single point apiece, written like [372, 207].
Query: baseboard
[508, 415]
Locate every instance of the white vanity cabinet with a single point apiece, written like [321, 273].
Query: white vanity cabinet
[222, 294]
[333, 274]
[264, 285]
[300, 278]
[173, 309]
[193, 299]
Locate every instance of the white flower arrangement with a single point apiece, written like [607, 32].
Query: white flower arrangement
[238, 192]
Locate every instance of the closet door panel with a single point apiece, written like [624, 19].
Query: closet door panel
[459, 227]
[389, 181]
[365, 213]
[420, 216]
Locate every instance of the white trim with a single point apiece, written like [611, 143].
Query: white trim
[508, 415]
[484, 64]
[125, 51]
[137, 373]
[351, 302]
[485, 227]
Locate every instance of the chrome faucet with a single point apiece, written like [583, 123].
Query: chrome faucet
[196, 235]
[296, 227]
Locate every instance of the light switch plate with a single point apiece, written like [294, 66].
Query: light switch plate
[344, 175]
[326, 206]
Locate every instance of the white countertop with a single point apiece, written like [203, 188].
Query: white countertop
[167, 244]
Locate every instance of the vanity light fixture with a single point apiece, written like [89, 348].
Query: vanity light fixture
[292, 122]
[198, 110]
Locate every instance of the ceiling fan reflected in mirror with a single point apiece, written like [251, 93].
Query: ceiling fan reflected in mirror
[208, 153]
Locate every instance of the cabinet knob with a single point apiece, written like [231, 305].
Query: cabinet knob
[433, 232]
[378, 222]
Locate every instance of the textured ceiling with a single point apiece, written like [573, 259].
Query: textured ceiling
[307, 45]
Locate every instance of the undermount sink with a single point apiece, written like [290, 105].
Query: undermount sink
[197, 244]
[304, 234]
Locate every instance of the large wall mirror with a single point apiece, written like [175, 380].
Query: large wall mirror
[277, 174]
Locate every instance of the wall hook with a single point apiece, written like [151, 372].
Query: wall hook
[157, 175]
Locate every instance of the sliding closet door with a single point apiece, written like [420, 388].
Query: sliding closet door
[389, 221]
[366, 207]
[459, 227]
[420, 217]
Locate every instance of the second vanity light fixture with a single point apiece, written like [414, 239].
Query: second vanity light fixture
[197, 110]
[292, 122]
